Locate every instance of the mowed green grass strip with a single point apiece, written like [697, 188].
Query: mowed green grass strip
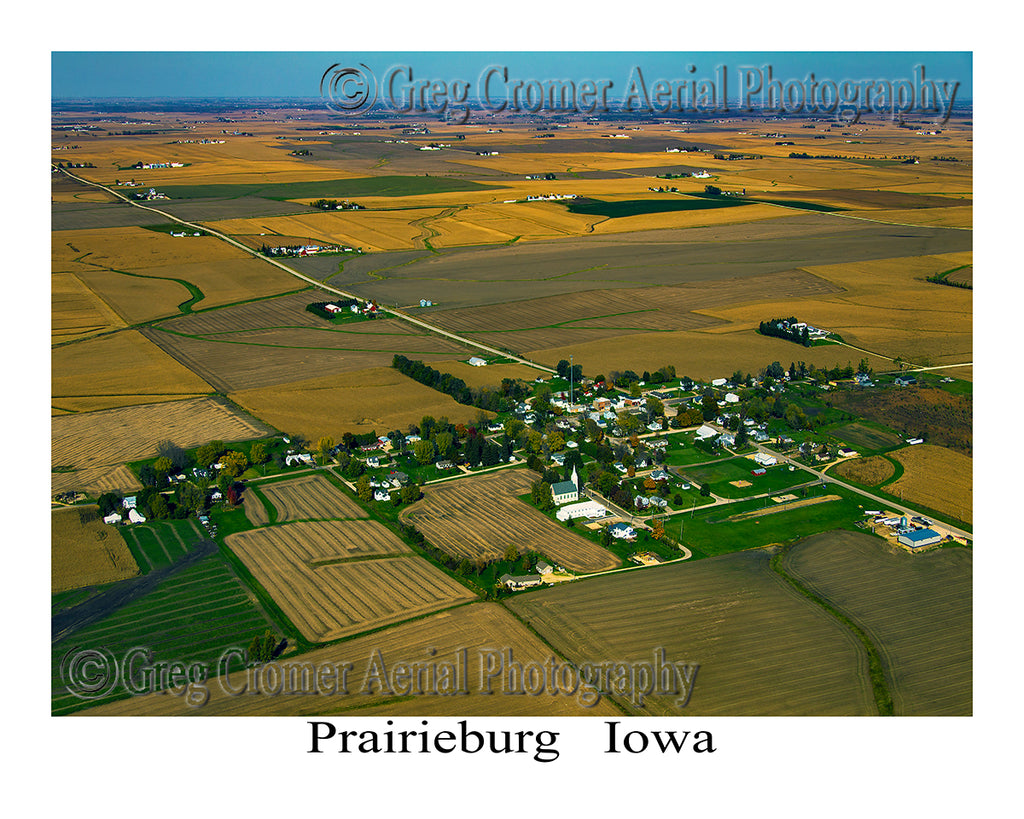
[762, 648]
[708, 532]
[159, 543]
[363, 186]
[916, 609]
[192, 616]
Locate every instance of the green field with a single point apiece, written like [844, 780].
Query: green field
[720, 474]
[157, 544]
[640, 207]
[345, 188]
[684, 453]
[916, 609]
[192, 616]
[706, 532]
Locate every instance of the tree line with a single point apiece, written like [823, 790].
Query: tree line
[503, 399]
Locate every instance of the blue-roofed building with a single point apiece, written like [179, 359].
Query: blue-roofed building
[918, 538]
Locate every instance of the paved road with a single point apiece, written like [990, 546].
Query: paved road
[315, 282]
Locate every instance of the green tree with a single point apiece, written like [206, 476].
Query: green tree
[511, 553]
[262, 649]
[258, 453]
[163, 466]
[191, 497]
[234, 463]
[158, 507]
[445, 443]
[324, 447]
[208, 453]
[708, 405]
[363, 489]
[423, 451]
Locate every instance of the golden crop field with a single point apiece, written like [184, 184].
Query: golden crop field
[116, 436]
[761, 648]
[255, 511]
[95, 481]
[490, 375]
[917, 610]
[703, 354]
[376, 399]
[118, 369]
[478, 629]
[883, 305]
[135, 248]
[135, 298]
[480, 516]
[85, 551]
[76, 311]
[311, 496]
[314, 573]
[936, 477]
[370, 230]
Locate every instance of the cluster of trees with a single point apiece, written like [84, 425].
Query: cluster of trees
[263, 649]
[941, 279]
[570, 372]
[503, 399]
[783, 328]
[319, 308]
[334, 204]
[626, 379]
[410, 493]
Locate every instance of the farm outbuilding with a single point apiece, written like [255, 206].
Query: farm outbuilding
[918, 538]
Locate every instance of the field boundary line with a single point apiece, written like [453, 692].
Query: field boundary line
[879, 673]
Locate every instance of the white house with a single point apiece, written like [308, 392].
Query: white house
[719, 382]
[706, 432]
[765, 459]
[523, 581]
[113, 517]
[731, 398]
[134, 516]
[477, 362]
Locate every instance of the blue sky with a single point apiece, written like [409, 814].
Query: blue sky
[297, 74]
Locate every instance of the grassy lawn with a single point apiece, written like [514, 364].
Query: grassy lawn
[684, 453]
[708, 534]
[720, 475]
